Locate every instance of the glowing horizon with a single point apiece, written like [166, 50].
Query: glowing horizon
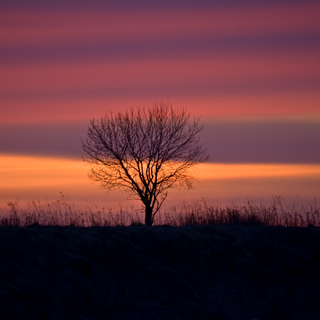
[43, 178]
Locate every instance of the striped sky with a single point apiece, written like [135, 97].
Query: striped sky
[250, 69]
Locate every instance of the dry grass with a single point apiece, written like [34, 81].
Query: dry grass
[277, 213]
[203, 212]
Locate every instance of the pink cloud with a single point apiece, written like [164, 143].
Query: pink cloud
[93, 74]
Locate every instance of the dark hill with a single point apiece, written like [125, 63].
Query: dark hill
[221, 272]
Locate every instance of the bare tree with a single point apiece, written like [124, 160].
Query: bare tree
[145, 151]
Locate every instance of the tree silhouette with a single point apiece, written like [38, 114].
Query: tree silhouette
[145, 151]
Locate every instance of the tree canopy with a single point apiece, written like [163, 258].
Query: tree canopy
[145, 151]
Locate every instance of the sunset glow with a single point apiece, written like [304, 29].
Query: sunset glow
[250, 70]
[42, 178]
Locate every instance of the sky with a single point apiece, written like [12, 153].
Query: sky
[250, 69]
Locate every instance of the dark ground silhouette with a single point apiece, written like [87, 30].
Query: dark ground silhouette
[138, 272]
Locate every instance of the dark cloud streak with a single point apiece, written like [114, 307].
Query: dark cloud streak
[263, 141]
[227, 141]
[56, 139]
[161, 49]
[138, 4]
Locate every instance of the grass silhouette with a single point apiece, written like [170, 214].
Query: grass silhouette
[197, 212]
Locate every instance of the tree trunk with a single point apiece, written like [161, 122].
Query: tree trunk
[148, 218]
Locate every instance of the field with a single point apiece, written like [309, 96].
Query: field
[138, 272]
[232, 268]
